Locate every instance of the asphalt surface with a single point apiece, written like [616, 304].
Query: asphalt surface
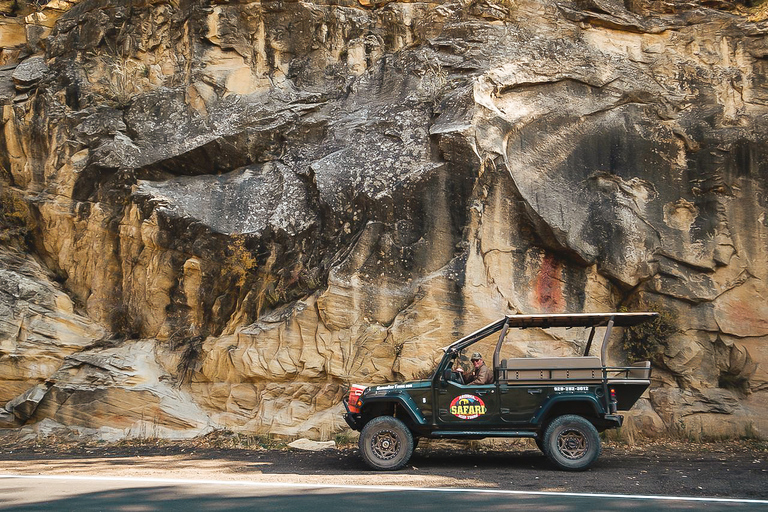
[186, 478]
[65, 493]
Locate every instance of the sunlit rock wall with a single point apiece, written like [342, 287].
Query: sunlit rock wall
[235, 210]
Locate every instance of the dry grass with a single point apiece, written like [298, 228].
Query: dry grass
[758, 13]
[240, 260]
[69, 442]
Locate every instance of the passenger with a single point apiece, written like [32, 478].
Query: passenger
[480, 375]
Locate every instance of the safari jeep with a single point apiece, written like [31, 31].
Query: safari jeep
[560, 402]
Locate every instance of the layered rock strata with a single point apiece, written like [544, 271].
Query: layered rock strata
[238, 209]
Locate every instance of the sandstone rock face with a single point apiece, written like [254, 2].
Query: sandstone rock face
[39, 326]
[240, 209]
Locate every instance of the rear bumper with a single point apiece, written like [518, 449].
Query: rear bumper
[614, 420]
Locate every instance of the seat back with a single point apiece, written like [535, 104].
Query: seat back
[557, 368]
[640, 370]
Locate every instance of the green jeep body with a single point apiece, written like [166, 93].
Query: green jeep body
[560, 402]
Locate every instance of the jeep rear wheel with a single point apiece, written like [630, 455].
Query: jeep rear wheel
[572, 443]
[386, 443]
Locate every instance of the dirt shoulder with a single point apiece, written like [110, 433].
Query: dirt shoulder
[732, 469]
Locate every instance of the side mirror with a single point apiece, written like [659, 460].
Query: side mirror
[447, 373]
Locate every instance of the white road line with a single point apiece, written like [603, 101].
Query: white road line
[293, 485]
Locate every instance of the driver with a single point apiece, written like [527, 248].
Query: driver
[481, 373]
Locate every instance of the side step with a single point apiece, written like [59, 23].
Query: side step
[483, 433]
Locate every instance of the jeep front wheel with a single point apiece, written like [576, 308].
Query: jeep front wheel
[386, 443]
[572, 443]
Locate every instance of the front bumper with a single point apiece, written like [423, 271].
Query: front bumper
[354, 420]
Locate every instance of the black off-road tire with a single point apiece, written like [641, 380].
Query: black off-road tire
[386, 444]
[572, 443]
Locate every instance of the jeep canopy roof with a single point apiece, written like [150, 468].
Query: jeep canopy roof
[545, 321]
[579, 319]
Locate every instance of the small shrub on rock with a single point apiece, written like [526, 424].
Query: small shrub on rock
[646, 341]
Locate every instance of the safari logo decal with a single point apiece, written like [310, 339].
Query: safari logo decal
[467, 407]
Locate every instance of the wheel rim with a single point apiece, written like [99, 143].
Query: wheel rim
[572, 444]
[385, 444]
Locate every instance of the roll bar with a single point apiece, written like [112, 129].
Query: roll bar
[545, 321]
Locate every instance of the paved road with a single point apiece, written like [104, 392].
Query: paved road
[94, 493]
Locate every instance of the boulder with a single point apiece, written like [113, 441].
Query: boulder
[29, 72]
[24, 405]
[312, 446]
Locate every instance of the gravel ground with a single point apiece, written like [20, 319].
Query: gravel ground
[732, 469]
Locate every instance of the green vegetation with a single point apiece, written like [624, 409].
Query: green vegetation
[646, 341]
[345, 439]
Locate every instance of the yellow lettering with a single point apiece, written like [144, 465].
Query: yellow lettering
[468, 410]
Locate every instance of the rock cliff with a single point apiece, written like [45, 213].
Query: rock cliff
[220, 214]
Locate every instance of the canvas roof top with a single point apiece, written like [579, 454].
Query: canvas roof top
[545, 321]
[579, 319]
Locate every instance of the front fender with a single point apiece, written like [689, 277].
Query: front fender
[575, 399]
[405, 402]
